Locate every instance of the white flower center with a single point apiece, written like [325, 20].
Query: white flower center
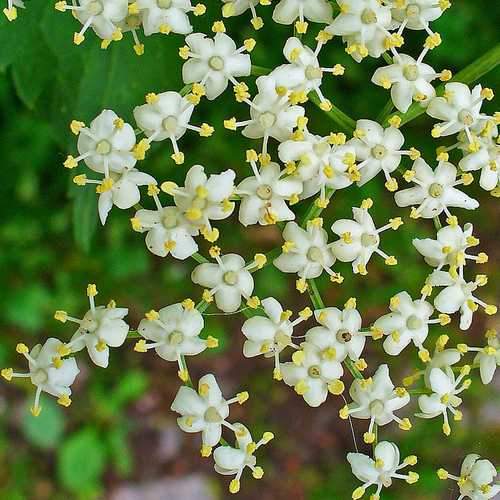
[216, 63]
[267, 119]
[321, 148]
[314, 254]
[89, 324]
[281, 338]
[379, 151]
[466, 117]
[414, 322]
[176, 337]
[368, 16]
[413, 10]
[436, 190]
[344, 336]
[369, 239]
[376, 407]
[264, 192]
[169, 124]
[313, 73]
[212, 415]
[230, 278]
[103, 147]
[410, 72]
[39, 377]
[169, 220]
[95, 8]
[314, 371]
[164, 4]
[385, 479]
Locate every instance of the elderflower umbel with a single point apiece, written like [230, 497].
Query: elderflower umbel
[316, 11]
[168, 231]
[458, 296]
[378, 150]
[488, 357]
[359, 239]
[105, 146]
[407, 322]
[376, 399]
[381, 470]
[340, 333]
[305, 251]
[205, 411]
[48, 372]
[434, 190]
[10, 11]
[363, 26]
[166, 116]
[231, 461]
[449, 248]
[227, 280]
[264, 195]
[100, 328]
[313, 373]
[445, 389]
[459, 109]
[476, 478]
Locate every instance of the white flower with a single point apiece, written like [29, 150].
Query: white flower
[457, 296]
[409, 79]
[435, 190]
[231, 461]
[305, 251]
[313, 373]
[442, 358]
[166, 116]
[168, 231]
[360, 239]
[449, 247]
[271, 334]
[166, 16]
[103, 16]
[339, 332]
[228, 280]
[459, 109]
[407, 322]
[100, 328]
[48, 372]
[376, 399]
[320, 162]
[317, 11]
[415, 14]
[11, 11]
[174, 331]
[445, 389]
[205, 411]
[378, 150]
[106, 145]
[204, 198]
[271, 114]
[264, 195]
[381, 470]
[476, 478]
[213, 63]
[488, 357]
[363, 25]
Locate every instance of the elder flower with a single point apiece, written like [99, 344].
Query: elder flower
[100, 328]
[359, 238]
[376, 399]
[305, 251]
[316, 11]
[166, 116]
[476, 478]
[48, 372]
[227, 280]
[378, 150]
[435, 190]
[488, 357]
[168, 231]
[449, 248]
[264, 195]
[213, 63]
[313, 373]
[231, 461]
[205, 411]
[105, 146]
[381, 470]
[363, 24]
[445, 389]
[416, 14]
[272, 334]
[458, 296]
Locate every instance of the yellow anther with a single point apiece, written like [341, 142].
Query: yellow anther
[184, 52]
[140, 346]
[207, 296]
[377, 333]
[361, 269]
[395, 121]
[206, 130]
[446, 429]
[405, 424]
[326, 105]
[234, 486]
[301, 27]
[344, 412]
[490, 309]
[337, 139]
[306, 313]
[298, 357]
[152, 315]
[135, 223]
[396, 222]
[443, 156]
[433, 41]
[61, 316]
[205, 451]
[411, 460]
[301, 285]
[442, 474]
[183, 375]
[391, 261]
[436, 131]
[242, 397]
[178, 158]
[36, 410]
[7, 374]
[218, 27]
[78, 38]
[358, 493]
[467, 178]
[336, 387]
[249, 44]
[369, 437]
[351, 303]
[424, 355]
[267, 436]
[487, 94]
[412, 478]
[441, 342]
[64, 400]
[76, 126]
[199, 9]
[361, 364]
[257, 23]
[367, 204]
[70, 162]
[277, 374]
[446, 75]
[346, 237]
[336, 278]
[253, 302]
[91, 290]
[401, 392]
[60, 6]
[260, 260]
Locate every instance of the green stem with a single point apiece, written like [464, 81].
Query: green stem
[437, 223]
[314, 211]
[259, 70]
[199, 258]
[344, 121]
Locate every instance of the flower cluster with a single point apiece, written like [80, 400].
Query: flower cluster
[290, 165]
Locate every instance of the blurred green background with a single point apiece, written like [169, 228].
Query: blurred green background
[119, 440]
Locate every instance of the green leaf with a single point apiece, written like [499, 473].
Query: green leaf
[46, 430]
[81, 461]
[119, 448]
[84, 217]
[130, 387]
